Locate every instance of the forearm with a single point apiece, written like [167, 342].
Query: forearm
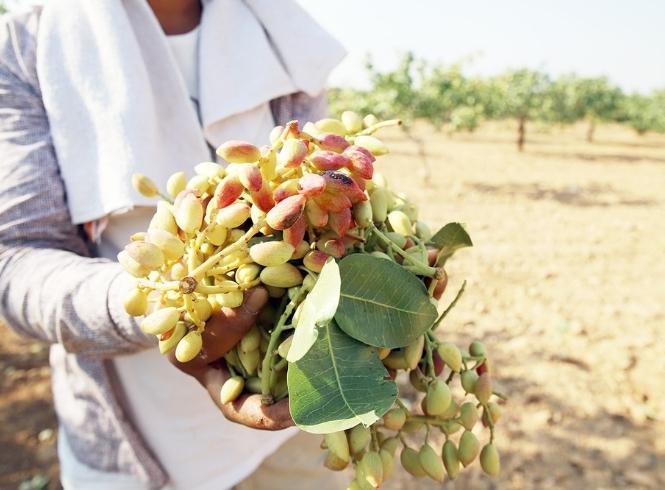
[60, 297]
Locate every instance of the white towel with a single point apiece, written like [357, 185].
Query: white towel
[117, 105]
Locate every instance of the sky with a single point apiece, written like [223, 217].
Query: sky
[621, 39]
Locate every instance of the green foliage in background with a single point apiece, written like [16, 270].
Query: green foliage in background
[446, 97]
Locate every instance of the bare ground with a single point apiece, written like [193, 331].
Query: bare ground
[566, 286]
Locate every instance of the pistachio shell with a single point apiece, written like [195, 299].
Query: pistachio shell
[330, 125]
[451, 355]
[450, 459]
[489, 460]
[359, 437]
[236, 151]
[431, 463]
[477, 348]
[136, 302]
[338, 445]
[232, 299]
[334, 462]
[437, 398]
[188, 212]
[247, 273]
[469, 447]
[163, 218]
[131, 266]
[362, 213]
[250, 360]
[216, 234]
[145, 254]
[160, 321]
[199, 183]
[394, 419]
[469, 378]
[144, 186]
[282, 276]
[352, 122]
[231, 389]
[483, 388]
[189, 347]
[468, 415]
[271, 253]
[251, 340]
[170, 339]
[414, 352]
[233, 215]
[372, 468]
[411, 462]
[370, 120]
[210, 170]
[171, 246]
[374, 145]
[176, 183]
[400, 222]
[284, 347]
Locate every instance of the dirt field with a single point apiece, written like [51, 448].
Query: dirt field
[566, 285]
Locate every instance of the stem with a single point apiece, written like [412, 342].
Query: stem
[231, 369]
[430, 360]
[189, 306]
[426, 420]
[160, 286]
[500, 395]
[432, 286]
[204, 289]
[375, 438]
[450, 307]
[215, 258]
[402, 406]
[272, 346]
[223, 269]
[417, 266]
[380, 125]
[165, 197]
[490, 422]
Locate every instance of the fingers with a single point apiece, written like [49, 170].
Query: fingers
[225, 329]
[247, 409]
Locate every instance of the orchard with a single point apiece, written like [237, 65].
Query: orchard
[446, 97]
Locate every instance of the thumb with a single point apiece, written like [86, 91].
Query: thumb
[224, 329]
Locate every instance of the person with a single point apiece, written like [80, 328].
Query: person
[91, 92]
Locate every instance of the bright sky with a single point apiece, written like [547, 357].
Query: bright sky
[622, 39]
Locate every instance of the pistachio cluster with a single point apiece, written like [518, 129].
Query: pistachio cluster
[374, 450]
[273, 216]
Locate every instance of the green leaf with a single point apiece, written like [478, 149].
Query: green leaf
[318, 309]
[448, 239]
[381, 303]
[338, 384]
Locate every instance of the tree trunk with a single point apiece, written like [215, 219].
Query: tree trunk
[420, 148]
[590, 130]
[521, 131]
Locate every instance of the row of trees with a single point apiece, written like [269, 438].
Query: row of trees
[445, 96]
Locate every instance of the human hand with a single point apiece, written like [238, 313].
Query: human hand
[222, 332]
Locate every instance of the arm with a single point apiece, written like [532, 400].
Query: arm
[49, 289]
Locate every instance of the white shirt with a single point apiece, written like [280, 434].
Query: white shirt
[196, 445]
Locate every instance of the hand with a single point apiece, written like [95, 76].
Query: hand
[222, 332]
